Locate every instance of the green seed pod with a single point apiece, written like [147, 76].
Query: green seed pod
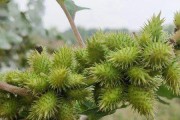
[63, 58]
[35, 83]
[141, 100]
[145, 39]
[172, 77]
[58, 78]
[118, 40]
[45, 107]
[99, 36]
[158, 55]
[80, 94]
[96, 50]
[76, 80]
[66, 111]
[157, 81]
[40, 63]
[106, 74]
[13, 77]
[9, 109]
[125, 57]
[81, 56]
[90, 80]
[139, 76]
[110, 98]
[154, 27]
[177, 20]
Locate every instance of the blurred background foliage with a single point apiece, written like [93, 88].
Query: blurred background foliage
[21, 31]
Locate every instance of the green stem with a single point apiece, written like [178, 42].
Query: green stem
[73, 26]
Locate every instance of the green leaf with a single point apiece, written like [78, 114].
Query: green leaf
[95, 114]
[164, 92]
[73, 8]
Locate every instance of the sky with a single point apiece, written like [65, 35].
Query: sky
[103, 14]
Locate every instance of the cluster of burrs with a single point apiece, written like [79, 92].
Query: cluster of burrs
[114, 69]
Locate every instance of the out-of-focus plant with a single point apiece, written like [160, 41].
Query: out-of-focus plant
[21, 31]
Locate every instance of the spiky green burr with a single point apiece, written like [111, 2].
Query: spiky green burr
[139, 76]
[143, 101]
[9, 109]
[66, 111]
[144, 39]
[110, 98]
[40, 63]
[13, 77]
[80, 94]
[107, 74]
[172, 77]
[158, 55]
[76, 80]
[35, 83]
[96, 50]
[124, 57]
[81, 56]
[118, 40]
[45, 107]
[154, 27]
[58, 78]
[63, 58]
